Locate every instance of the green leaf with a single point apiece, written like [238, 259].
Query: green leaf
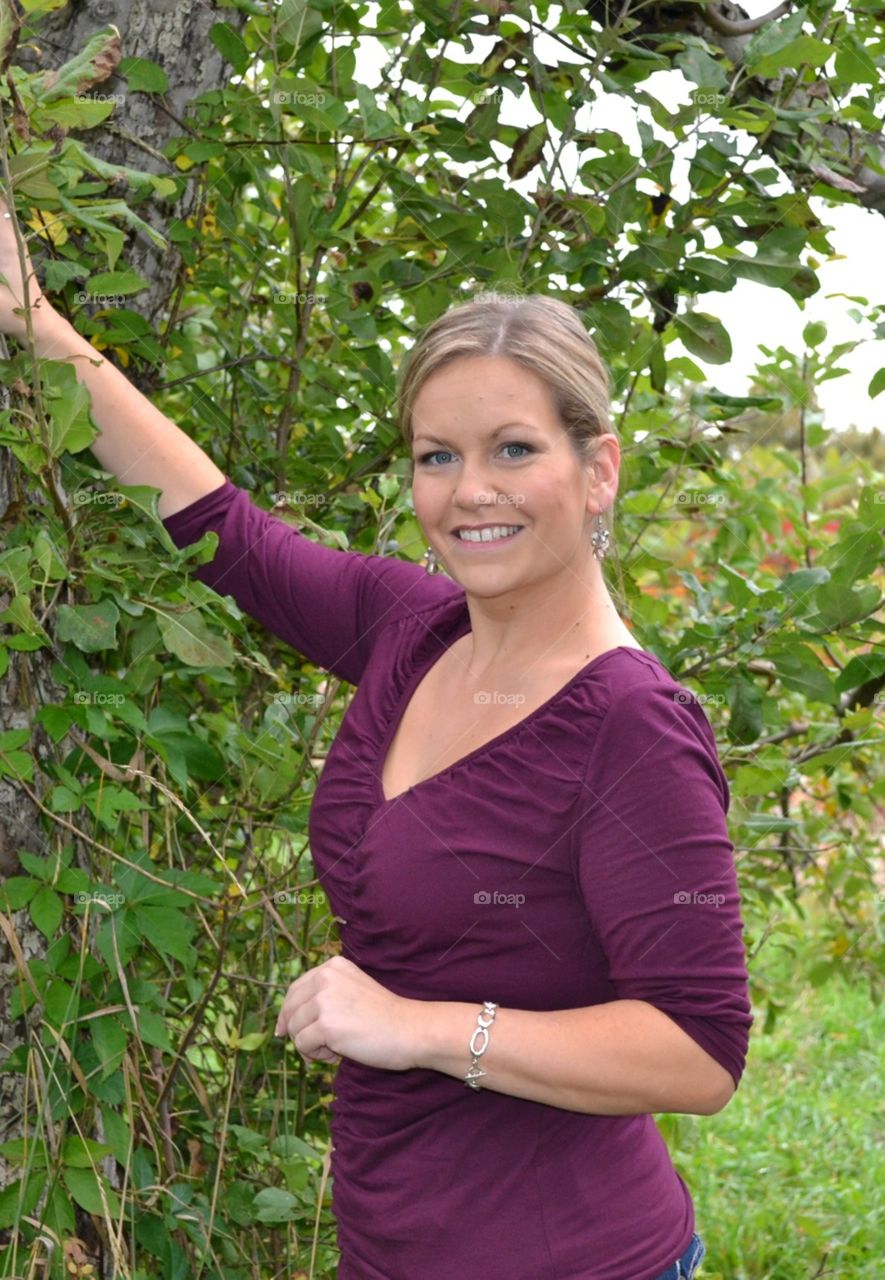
[814, 333]
[143, 76]
[288, 1145]
[740, 591]
[46, 910]
[113, 283]
[230, 45]
[10, 27]
[86, 1189]
[800, 669]
[68, 403]
[153, 1030]
[28, 171]
[861, 668]
[186, 635]
[110, 1042]
[745, 700]
[805, 50]
[83, 1153]
[273, 1204]
[377, 123]
[697, 66]
[18, 765]
[20, 614]
[877, 383]
[298, 21]
[18, 890]
[854, 61]
[91, 627]
[838, 605]
[41, 868]
[704, 336]
[527, 150]
[771, 38]
[88, 67]
[79, 113]
[718, 406]
[249, 1043]
[20, 1198]
[166, 929]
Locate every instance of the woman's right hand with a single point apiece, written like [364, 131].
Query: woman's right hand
[12, 294]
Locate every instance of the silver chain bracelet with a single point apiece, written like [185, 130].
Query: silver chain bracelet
[482, 1029]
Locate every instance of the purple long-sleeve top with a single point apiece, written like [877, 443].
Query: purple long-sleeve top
[580, 857]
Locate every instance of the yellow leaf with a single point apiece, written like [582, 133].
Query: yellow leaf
[54, 230]
[184, 162]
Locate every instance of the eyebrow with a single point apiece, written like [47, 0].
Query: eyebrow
[524, 426]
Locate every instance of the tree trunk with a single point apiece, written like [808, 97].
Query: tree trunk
[176, 36]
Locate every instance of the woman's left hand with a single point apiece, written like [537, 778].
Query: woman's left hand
[336, 1010]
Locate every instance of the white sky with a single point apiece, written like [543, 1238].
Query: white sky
[753, 314]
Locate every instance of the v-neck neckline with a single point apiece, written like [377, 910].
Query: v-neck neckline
[383, 801]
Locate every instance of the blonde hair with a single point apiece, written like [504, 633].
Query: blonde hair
[541, 334]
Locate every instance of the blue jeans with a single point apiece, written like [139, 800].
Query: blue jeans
[686, 1266]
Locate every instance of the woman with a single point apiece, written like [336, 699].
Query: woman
[520, 825]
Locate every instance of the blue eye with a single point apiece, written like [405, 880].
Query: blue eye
[424, 458]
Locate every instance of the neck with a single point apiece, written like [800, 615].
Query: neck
[559, 624]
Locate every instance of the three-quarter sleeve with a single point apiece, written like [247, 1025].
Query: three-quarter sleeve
[330, 605]
[656, 867]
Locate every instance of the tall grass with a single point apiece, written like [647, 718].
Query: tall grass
[787, 1180]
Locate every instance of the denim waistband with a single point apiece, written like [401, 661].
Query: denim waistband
[686, 1266]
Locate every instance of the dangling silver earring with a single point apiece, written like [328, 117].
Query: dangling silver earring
[431, 564]
[601, 538]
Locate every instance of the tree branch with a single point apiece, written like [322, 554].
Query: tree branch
[745, 27]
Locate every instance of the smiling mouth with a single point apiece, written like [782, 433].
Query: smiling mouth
[487, 537]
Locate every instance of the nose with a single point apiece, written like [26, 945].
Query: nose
[473, 487]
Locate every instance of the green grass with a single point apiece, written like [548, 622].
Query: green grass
[787, 1180]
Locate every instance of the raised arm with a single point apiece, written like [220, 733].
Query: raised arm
[329, 605]
[138, 443]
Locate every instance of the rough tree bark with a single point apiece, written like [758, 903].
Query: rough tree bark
[176, 36]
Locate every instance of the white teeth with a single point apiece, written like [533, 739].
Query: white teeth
[488, 535]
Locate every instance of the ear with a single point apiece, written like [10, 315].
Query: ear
[603, 472]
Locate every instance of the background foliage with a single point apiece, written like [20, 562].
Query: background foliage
[168, 748]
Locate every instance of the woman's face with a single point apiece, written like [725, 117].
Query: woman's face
[488, 449]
